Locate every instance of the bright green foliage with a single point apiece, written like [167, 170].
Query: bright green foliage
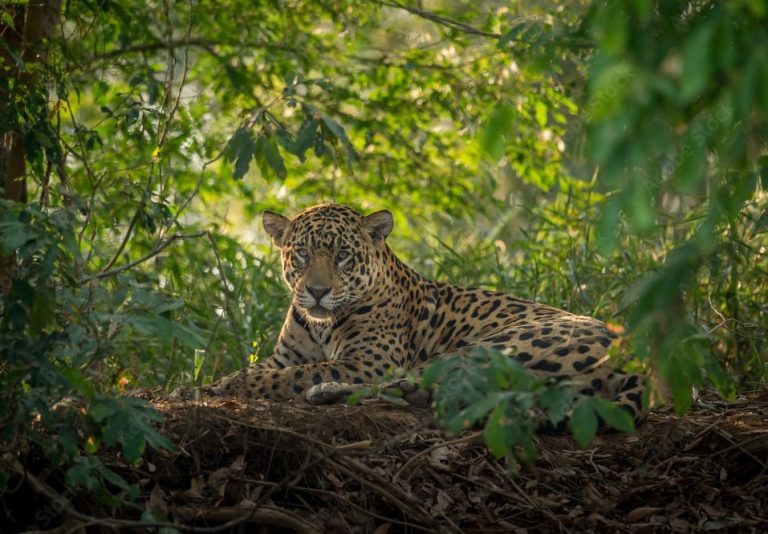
[603, 157]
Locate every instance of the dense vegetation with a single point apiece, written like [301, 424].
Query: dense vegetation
[604, 157]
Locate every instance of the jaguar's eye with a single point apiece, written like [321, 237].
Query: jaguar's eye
[303, 254]
[341, 256]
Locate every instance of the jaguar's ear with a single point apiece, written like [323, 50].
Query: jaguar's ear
[378, 225]
[275, 225]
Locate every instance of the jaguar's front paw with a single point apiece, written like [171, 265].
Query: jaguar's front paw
[194, 392]
[407, 392]
[186, 393]
[330, 392]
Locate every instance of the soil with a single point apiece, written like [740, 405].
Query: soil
[264, 467]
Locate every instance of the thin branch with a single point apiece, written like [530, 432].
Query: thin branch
[225, 288]
[339, 497]
[205, 44]
[154, 252]
[248, 123]
[266, 513]
[197, 42]
[322, 452]
[129, 232]
[442, 20]
[469, 437]
[160, 143]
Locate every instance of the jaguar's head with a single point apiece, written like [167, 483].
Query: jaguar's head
[332, 256]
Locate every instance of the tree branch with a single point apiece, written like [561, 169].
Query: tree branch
[205, 44]
[154, 252]
[440, 19]
[262, 513]
[197, 42]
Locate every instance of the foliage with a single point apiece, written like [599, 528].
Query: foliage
[48, 374]
[603, 157]
[488, 387]
[673, 100]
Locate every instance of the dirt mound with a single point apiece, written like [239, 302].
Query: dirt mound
[378, 468]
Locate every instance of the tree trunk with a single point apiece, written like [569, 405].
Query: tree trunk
[33, 25]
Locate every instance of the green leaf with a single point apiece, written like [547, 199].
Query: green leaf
[7, 19]
[522, 446]
[119, 295]
[556, 402]
[199, 360]
[584, 422]
[101, 409]
[612, 27]
[68, 442]
[748, 87]
[243, 161]
[496, 436]
[638, 204]
[81, 475]
[23, 290]
[524, 32]
[674, 374]
[682, 395]
[305, 137]
[336, 128]
[92, 444]
[477, 410]
[114, 479]
[733, 193]
[318, 145]
[13, 235]
[240, 149]
[42, 314]
[133, 444]
[697, 63]
[608, 226]
[273, 157]
[608, 88]
[614, 415]
[541, 114]
[132, 116]
[435, 372]
[494, 134]
[338, 131]
[188, 335]
[691, 164]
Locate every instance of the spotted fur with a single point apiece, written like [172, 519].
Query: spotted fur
[358, 312]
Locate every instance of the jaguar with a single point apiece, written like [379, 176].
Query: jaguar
[358, 313]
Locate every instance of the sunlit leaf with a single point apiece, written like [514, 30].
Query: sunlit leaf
[494, 134]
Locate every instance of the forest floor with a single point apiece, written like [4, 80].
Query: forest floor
[378, 468]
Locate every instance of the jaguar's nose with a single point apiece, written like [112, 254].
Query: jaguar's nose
[318, 292]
